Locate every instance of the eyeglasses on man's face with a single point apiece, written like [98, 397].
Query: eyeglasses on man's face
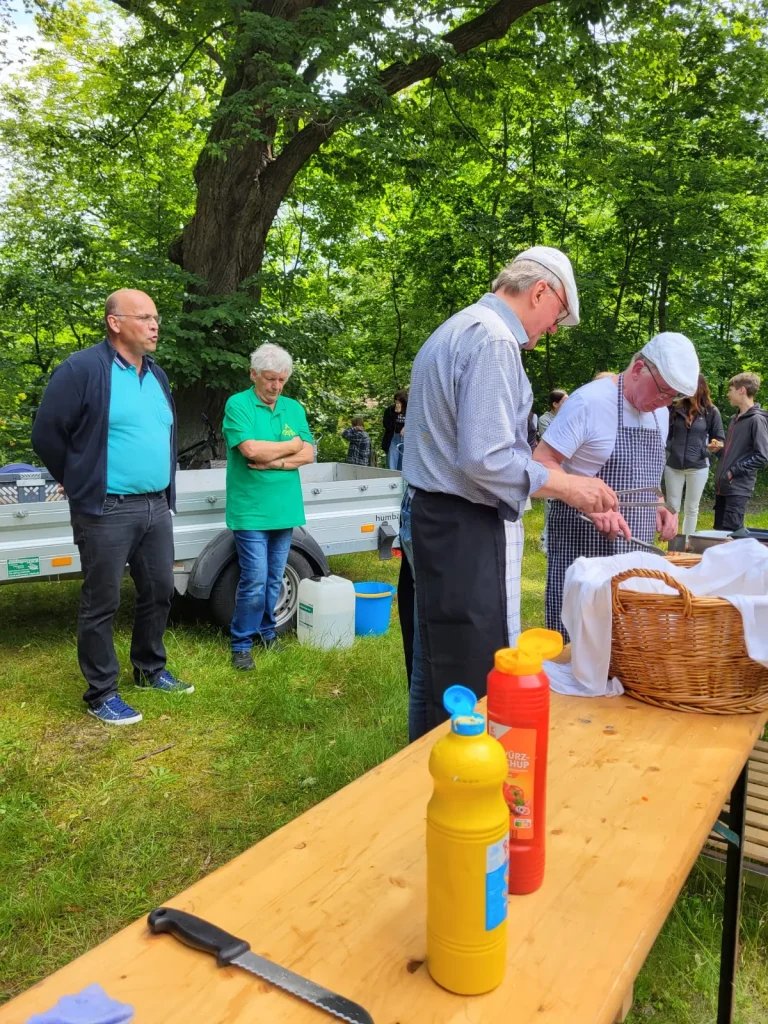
[563, 305]
[667, 392]
[144, 318]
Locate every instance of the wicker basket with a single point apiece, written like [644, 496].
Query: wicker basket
[683, 558]
[683, 652]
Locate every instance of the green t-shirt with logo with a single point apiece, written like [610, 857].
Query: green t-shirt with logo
[262, 499]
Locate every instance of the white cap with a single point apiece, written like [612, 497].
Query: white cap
[558, 264]
[676, 359]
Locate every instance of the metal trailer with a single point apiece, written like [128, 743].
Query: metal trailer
[348, 508]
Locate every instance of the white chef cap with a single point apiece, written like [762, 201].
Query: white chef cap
[676, 359]
[559, 265]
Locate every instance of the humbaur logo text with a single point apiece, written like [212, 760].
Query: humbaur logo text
[390, 517]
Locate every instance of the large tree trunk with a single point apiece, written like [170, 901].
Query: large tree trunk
[239, 194]
[241, 181]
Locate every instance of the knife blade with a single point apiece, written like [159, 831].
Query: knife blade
[633, 540]
[228, 950]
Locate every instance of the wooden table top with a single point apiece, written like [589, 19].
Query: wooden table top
[338, 895]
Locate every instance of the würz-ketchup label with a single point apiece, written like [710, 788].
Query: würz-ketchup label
[520, 748]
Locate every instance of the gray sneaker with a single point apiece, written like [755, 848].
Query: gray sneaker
[242, 660]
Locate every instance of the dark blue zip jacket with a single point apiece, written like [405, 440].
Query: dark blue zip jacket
[70, 432]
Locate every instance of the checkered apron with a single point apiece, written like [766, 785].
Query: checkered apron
[637, 461]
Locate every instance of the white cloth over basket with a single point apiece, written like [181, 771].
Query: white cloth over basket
[737, 571]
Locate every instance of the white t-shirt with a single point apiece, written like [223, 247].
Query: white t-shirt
[584, 430]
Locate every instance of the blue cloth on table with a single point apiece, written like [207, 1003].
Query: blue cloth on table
[91, 1006]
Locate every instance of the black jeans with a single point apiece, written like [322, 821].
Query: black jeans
[134, 529]
[730, 510]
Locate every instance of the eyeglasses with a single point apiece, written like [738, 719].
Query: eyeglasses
[144, 318]
[667, 392]
[564, 305]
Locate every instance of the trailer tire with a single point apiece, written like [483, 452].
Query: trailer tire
[221, 603]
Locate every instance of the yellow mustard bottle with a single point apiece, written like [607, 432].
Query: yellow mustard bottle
[467, 853]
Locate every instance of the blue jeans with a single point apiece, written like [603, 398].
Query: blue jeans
[417, 698]
[262, 555]
[394, 455]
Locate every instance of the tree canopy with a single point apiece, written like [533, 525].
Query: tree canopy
[418, 147]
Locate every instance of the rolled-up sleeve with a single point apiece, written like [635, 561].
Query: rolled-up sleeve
[492, 447]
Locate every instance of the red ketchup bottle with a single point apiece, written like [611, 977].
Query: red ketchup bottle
[518, 716]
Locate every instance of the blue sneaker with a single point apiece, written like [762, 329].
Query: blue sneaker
[163, 681]
[114, 711]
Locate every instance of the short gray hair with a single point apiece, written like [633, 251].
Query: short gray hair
[643, 359]
[521, 275]
[273, 358]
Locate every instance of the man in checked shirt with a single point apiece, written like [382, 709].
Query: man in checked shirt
[470, 470]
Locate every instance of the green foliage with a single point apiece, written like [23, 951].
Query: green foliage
[632, 136]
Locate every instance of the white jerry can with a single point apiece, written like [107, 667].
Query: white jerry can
[326, 612]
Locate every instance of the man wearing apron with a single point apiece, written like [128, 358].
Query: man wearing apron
[615, 429]
[469, 470]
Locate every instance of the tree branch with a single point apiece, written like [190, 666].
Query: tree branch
[161, 92]
[491, 24]
[150, 17]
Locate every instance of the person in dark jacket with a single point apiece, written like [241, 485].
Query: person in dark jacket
[695, 430]
[745, 451]
[106, 432]
[394, 425]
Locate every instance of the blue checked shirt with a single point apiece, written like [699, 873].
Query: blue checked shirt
[467, 421]
[359, 451]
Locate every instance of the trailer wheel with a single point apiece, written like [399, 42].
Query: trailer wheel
[221, 603]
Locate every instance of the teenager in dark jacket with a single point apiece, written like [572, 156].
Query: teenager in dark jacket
[394, 424]
[745, 452]
[695, 431]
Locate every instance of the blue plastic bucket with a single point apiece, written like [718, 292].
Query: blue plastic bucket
[373, 607]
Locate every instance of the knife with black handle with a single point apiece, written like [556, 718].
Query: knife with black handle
[229, 950]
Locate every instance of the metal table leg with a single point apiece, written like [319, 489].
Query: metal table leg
[734, 869]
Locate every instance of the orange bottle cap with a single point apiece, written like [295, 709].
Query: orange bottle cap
[534, 647]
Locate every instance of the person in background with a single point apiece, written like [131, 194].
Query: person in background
[695, 429]
[106, 432]
[615, 429]
[268, 439]
[603, 374]
[554, 401]
[469, 470]
[394, 425]
[744, 453]
[359, 451]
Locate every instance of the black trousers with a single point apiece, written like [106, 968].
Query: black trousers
[134, 529]
[459, 551]
[730, 510]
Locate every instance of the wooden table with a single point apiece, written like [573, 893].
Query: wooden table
[339, 894]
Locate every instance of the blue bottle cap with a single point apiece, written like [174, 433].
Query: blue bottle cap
[459, 702]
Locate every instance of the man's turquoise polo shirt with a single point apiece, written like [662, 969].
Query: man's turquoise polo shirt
[139, 438]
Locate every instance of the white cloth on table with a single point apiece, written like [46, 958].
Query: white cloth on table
[737, 571]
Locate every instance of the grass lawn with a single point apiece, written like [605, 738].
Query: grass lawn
[93, 834]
